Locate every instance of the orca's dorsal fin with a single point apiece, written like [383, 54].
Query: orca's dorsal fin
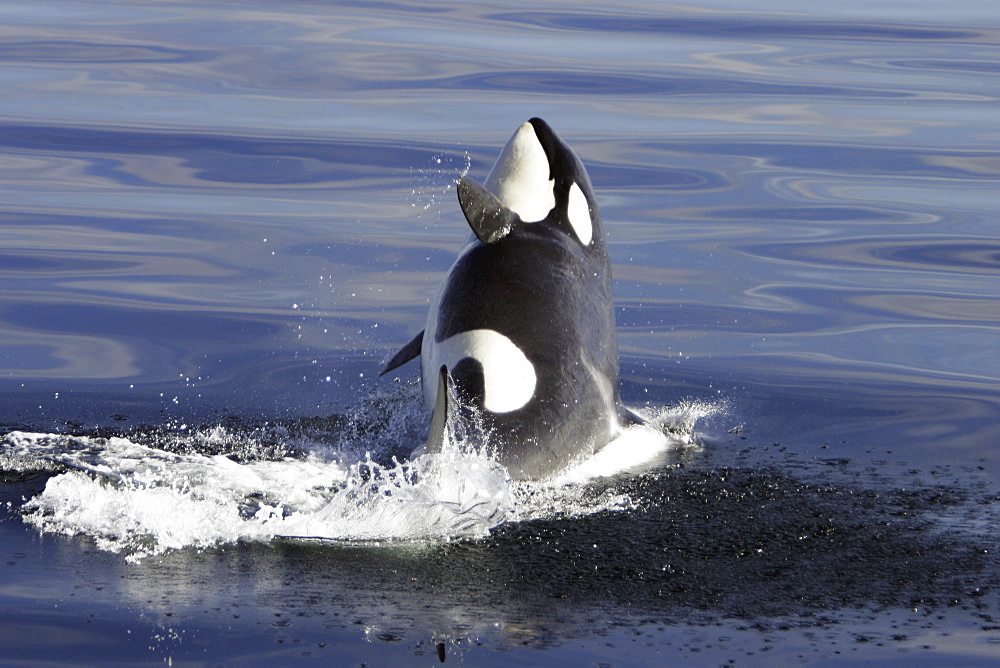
[439, 419]
[489, 219]
[408, 352]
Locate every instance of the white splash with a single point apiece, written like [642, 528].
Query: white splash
[639, 446]
[141, 500]
[634, 448]
[432, 185]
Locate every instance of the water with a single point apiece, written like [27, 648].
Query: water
[217, 222]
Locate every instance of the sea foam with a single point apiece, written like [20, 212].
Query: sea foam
[141, 500]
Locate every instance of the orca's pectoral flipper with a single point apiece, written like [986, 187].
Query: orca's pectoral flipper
[405, 354]
[489, 219]
[627, 418]
[439, 419]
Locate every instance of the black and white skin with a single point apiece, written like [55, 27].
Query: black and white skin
[522, 328]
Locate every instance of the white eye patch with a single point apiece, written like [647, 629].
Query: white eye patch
[520, 177]
[509, 378]
[578, 212]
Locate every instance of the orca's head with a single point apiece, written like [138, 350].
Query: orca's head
[537, 178]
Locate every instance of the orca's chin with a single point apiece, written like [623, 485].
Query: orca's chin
[521, 177]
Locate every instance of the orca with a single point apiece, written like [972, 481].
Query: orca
[522, 329]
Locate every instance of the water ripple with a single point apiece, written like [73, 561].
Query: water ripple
[948, 255]
[569, 82]
[742, 26]
[206, 159]
[80, 52]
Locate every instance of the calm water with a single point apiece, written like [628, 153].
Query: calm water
[218, 221]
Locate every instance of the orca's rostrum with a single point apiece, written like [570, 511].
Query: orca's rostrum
[523, 325]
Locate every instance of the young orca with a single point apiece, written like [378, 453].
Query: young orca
[522, 327]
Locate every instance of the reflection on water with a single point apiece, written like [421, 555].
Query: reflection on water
[743, 555]
[210, 210]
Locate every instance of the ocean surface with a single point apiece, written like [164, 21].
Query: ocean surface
[218, 221]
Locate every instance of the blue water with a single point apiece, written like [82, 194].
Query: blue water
[232, 214]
